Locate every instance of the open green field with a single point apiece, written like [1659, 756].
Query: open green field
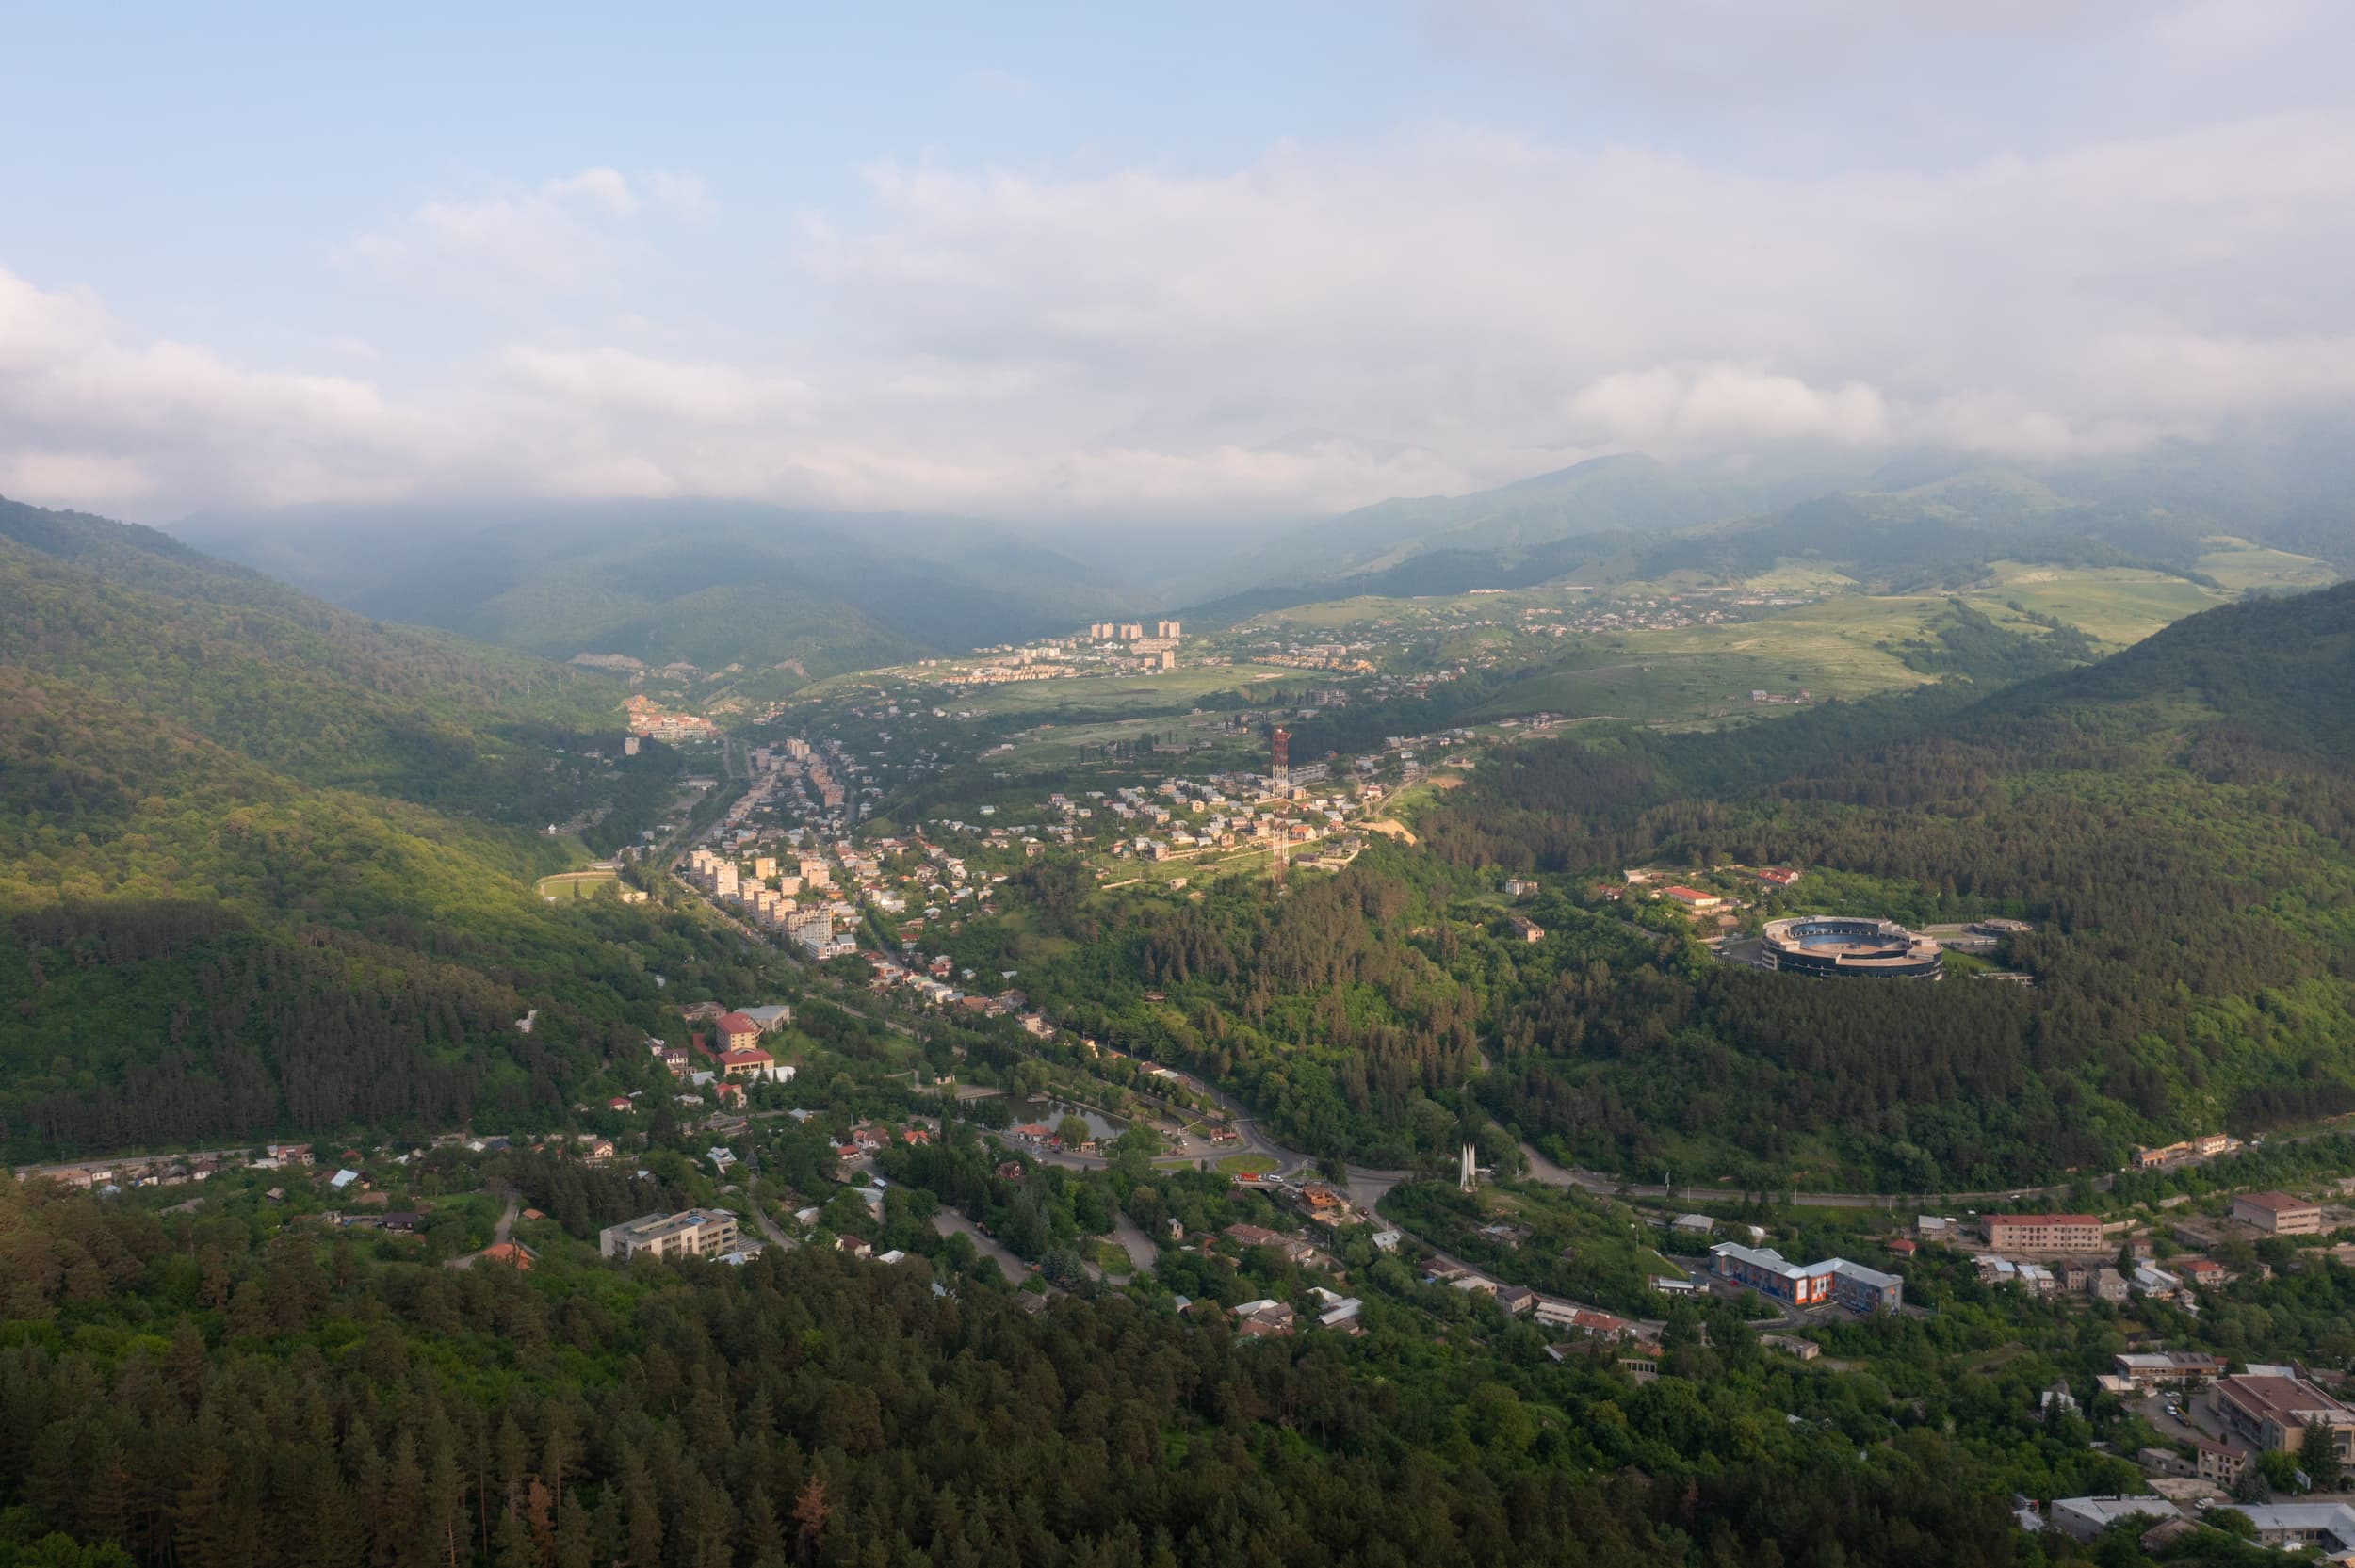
[1829, 648]
[573, 885]
[1793, 578]
[2117, 606]
[2241, 566]
[1245, 1165]
[1057, 745]
[1168, 691]
[1378, 612]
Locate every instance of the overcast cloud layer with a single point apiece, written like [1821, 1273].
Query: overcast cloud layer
[1423, 306]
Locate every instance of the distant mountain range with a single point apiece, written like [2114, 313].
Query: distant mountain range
[1924, 520]
[793, 594]
[1627, 493]
[711, 584]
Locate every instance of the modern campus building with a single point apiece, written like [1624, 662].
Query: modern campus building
[692, 1233]
[1830, 945]
[1771, 1274]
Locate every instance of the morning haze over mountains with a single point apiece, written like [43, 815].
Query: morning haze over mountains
[714, 583]
[1482, 782]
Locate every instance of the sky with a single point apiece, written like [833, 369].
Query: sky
[1128, 261]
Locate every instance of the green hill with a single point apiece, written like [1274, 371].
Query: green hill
[308, 691]
[266, 866]
[2177, 819]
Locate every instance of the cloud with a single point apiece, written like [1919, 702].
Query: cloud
[1445, 306]
[1725, 402]
[82, 478]
[599, 187]
[91, 415]
[685, 195]
[993, 85]
[571, 234]
[614, 380]
[1492, 298]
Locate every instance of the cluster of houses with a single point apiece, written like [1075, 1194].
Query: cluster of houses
[1638, 1344]
[648, 718]
[867, 1139]
[104, 1176]
[721, 1060]
[2078, 1254]
[934, 982]
[2263, 1409]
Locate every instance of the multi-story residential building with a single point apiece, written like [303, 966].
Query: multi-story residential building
[2277, 1214]
[692, 1233]
[2043, 1233]
[811, 930]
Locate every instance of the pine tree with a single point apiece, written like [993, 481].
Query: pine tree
[809, 1513]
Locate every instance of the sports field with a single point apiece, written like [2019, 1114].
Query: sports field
[573, 885]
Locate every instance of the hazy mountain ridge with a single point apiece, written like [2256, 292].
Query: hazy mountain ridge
[707, 583]
[1921, 519]
[1625, 493]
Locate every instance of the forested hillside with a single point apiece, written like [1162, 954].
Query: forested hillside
[2177, 820]
[203, 1391]
[266, 866]
[309, 691]
[199, 948]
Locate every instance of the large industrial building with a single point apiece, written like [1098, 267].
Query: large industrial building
[1833, 946]
[1835, 1279]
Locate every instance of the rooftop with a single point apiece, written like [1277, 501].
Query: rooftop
[2284, 1400]
[2274, 1203]
[2042, 1219]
